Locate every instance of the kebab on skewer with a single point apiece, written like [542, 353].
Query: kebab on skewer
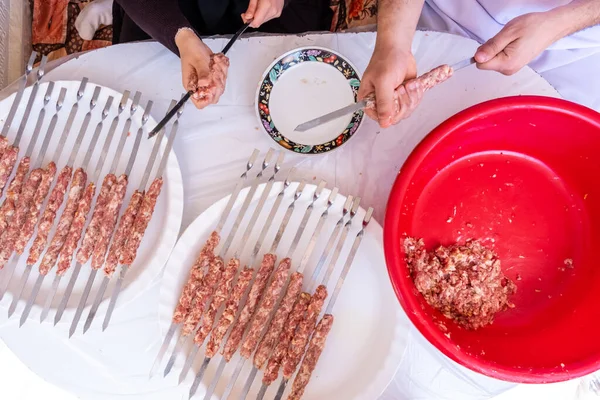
[107, 226]
[76, 189]
[195, 278]
[226, 286]
[214, 275]
[248, 339]
[56, 197]
[21, 190]
[240, 290]
[293, 290]
[225, 289]
[70, 223]
[108, 215]
[304, 313]
[319, 336]
[105, 191]
[71, 241]
[288, 352]
[10, 153]
[142, 219]
[252, 296]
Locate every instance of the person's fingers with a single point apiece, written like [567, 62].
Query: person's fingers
[366, 88]
[409, 97]
[384, 97]
[506, 62]
[262, 14]
[189, 77]
[494, 46]
[249, 14]
[401, 105]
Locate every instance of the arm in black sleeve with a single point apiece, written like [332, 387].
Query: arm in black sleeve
[161, 19]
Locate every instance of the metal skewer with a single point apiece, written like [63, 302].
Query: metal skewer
[60, 147]
[274, 247]
[239, 250]
[34, 90]
[149, 166]
[303, 263]
[302, 227]
[159, 173]
[71, 161]
[236, 224]
[76, 147]
[257, 247]
[95, 176]
[340, 281]
[19, 95]
[334, 234]
[224, 216]
[93, 272]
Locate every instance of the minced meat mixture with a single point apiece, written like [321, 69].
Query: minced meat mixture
[464, 282]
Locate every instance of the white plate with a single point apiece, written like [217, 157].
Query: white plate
[370, 331]
[303, 84]
[162, 232]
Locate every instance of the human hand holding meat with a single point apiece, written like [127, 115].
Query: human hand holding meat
[261, 11]
[384, 79]
[392, 64]
[202, 71]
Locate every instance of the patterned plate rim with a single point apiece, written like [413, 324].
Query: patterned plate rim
[283, 63]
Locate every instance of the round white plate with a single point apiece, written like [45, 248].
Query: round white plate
[303, 84]
[162, 232]
[370, 332]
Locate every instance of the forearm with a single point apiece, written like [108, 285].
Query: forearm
[397, 22]
[161, 19]
[576, 16]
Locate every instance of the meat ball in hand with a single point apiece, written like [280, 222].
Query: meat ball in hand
[202, 71]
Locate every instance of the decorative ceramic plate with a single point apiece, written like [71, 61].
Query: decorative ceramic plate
[370, 333]
[304, 84]
[161, 234]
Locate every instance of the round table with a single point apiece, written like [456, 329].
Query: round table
[212, 147]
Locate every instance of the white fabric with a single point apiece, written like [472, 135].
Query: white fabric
[212, 147]
[96, 13]
[570, 65]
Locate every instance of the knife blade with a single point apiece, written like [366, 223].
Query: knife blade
[360, 105]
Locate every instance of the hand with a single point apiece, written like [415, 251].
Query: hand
[261, 11]
[519, 42]
[388, 69]
[202, 71]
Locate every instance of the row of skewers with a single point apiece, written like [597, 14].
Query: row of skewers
[82, 229]
[262, 313]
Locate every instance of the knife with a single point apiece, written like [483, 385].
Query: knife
[363, 103]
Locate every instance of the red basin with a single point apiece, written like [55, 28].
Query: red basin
[523, 172]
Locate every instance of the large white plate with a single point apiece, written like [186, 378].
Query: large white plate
[162, 232]
[369, 336]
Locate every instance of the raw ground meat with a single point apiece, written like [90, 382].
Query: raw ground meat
[464, 282]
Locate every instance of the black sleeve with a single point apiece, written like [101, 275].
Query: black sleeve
[161, 19]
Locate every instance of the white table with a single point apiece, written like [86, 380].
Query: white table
[366, 166]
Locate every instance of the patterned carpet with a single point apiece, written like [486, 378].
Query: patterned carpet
[54, 32]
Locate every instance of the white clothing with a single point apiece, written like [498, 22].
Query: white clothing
[571, 65]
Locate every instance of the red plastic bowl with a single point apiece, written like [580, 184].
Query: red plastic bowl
[523, 171]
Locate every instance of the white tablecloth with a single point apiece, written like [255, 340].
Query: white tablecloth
[212, 147]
